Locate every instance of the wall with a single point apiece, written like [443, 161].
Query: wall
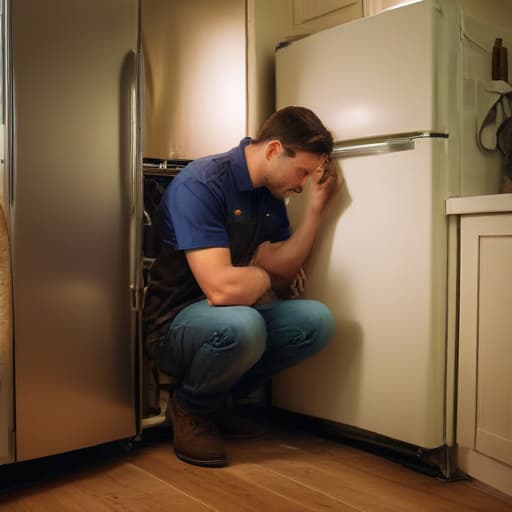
[268, 23]
[498, 12]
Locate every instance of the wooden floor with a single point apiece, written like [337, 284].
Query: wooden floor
[286, 470]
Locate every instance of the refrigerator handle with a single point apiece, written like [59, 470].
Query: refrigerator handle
[136, 206]
[378, 145]
[9, 120]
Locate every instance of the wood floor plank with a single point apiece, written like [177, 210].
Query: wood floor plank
[219, 487]
[123, 487]
[51, 499]
[285, 471]
[358, 491]
[463, 493]
[260, 476]
[373, 484]
[132, 489]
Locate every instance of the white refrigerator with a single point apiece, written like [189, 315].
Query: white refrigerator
[400, 92]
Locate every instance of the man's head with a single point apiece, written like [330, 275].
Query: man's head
[298, 129]
[295, 144]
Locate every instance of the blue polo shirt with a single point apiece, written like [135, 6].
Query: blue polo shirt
[212, 203]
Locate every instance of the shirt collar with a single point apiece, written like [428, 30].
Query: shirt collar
[239, 166]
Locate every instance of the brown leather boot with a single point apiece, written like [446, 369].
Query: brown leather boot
[196, 438]
[241, 422]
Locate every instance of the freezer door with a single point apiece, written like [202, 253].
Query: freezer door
[74, 80]
[379, 263]
[370, 77]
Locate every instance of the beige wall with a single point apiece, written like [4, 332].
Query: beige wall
[268, 23]
[498, 12]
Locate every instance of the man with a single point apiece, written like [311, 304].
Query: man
[226, 244]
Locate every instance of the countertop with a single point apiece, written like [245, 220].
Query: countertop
[495, 203]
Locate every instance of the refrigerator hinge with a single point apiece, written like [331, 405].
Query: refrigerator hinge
[137, 298]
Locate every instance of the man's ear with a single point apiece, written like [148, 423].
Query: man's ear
[273, 149]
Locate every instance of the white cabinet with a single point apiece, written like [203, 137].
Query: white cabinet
[311, 16]
[484, 412]
[372, 7]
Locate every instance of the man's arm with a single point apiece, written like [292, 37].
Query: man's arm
[221, 282]
[283, 260]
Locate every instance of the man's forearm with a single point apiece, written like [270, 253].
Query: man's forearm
[239, 286]
[284, 259]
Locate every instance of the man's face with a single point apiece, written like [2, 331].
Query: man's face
[289, 174]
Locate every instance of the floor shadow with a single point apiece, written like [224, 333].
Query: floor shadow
[31, 476]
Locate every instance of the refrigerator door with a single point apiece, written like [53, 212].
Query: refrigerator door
[376, 265]
[6, 367]
[196, 83]
[371, 77]
[6, 342]
[74, 82]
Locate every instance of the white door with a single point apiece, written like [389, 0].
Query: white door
[379, 264]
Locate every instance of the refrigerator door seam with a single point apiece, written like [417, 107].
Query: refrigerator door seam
[7, 369]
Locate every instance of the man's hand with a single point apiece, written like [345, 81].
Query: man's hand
[298, 285]
[292, 291]
[324, 184]
[283, 260]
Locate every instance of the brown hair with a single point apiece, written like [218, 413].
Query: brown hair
[298, 129]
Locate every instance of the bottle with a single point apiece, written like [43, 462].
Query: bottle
[499, 61]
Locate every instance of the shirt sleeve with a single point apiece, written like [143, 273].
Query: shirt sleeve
[197, 216]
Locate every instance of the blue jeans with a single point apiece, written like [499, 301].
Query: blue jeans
[218, 351]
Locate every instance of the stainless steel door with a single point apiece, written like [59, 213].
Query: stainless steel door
[6, 373]
[74, 72]
[6, 367]
[196, 83]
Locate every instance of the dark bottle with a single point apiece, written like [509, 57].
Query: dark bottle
[499, 61]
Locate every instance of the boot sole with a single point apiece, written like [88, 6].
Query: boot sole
[207, 463]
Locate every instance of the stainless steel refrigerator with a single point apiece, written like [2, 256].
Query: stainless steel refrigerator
[73, 187]
[401, 92]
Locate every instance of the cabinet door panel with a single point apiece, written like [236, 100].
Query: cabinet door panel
[314, 16]
[494, 375]
[306, 10]
[485, 344]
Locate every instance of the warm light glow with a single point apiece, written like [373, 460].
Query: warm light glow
[402, 4]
